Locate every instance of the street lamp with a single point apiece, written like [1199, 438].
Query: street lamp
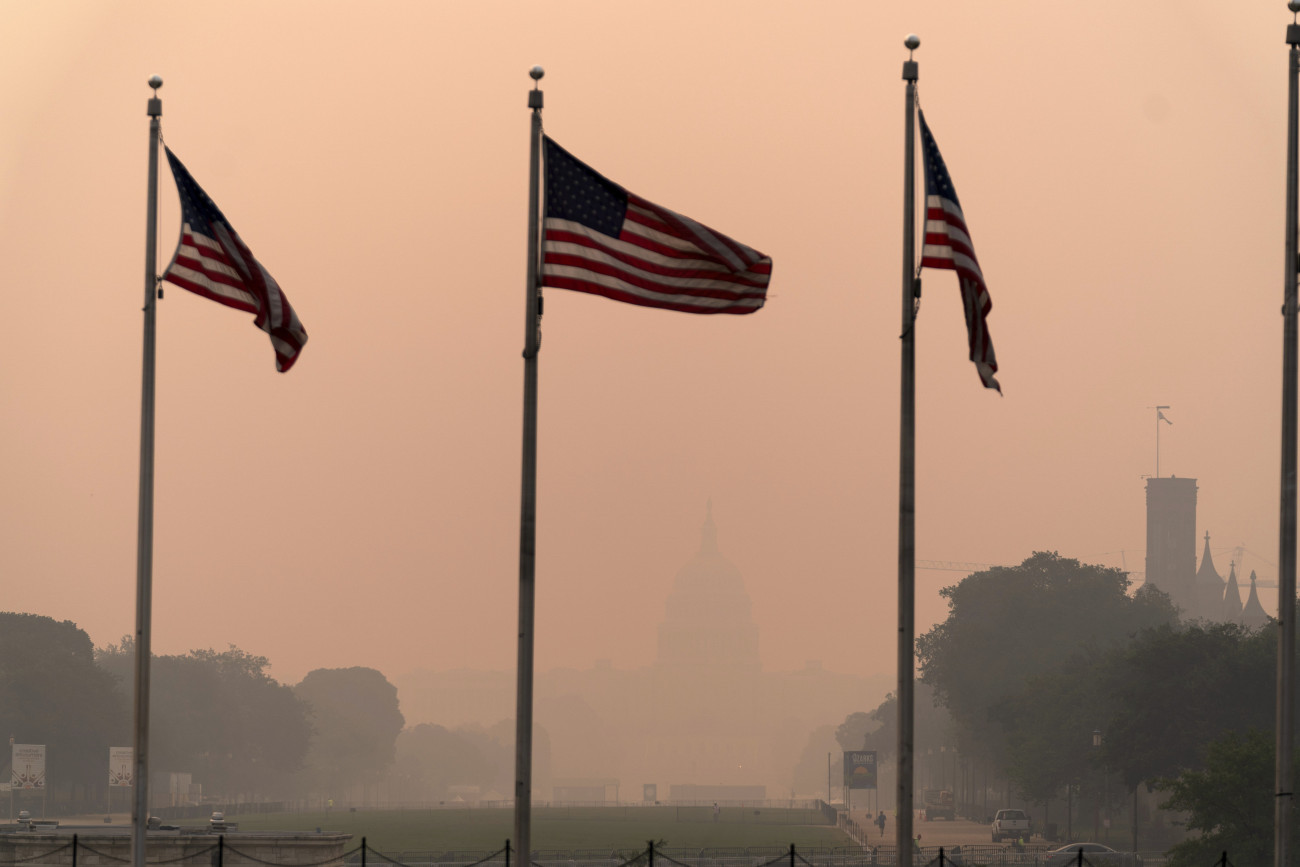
[1096, 816]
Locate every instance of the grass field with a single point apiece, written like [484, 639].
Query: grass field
[567, 829]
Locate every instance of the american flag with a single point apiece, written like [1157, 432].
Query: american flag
[599, 238]
[948, 245]
[212, 261]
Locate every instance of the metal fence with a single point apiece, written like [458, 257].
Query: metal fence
[250, 851]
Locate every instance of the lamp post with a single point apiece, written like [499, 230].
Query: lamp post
[1069, 811]
[1096, 817]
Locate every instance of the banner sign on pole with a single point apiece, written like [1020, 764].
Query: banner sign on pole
[29, 766]
[121, 766]
[860, 769]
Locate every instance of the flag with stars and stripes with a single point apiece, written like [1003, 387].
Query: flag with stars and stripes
[211, 260]
[599, 238]
[948, 245]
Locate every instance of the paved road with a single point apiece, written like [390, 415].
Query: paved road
[936, 833]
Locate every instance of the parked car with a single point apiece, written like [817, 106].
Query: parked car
[1093, 853]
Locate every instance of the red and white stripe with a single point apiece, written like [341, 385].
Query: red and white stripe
[948, 246]
[660, 259]
[224, 270]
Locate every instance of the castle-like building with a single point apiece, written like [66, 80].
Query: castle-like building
[1199, 592]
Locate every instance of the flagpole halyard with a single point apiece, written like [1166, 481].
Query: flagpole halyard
[528, 495]
[144, 538]
[907, 477]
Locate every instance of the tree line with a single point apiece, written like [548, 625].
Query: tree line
[220, 717]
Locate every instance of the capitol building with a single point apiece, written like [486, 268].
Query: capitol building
[704, 722]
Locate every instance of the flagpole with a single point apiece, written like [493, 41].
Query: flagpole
[1159, 418]
[144, 540]
[528, 498]
[1284, 800]
[907, 477]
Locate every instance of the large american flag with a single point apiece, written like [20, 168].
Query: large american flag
[948, 245]
[212, 261]
[599, 238]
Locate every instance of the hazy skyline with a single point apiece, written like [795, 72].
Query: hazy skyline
[1120, 166]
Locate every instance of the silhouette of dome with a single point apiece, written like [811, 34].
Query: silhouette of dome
[708, 618]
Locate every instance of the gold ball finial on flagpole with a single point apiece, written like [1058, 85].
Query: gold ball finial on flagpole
[537, 72]
[155, 81]
[912, 42]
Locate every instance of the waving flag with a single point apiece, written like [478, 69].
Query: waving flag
[212, 261]
[599, 238]
[948, 245]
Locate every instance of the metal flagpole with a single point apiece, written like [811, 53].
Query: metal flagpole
[144, 542]
[1159, 417]
[528, 498]
[1284, 800]
[907, 475]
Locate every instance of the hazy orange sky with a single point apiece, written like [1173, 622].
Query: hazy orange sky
[1120, 165]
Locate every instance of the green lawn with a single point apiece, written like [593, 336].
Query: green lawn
[560, 828]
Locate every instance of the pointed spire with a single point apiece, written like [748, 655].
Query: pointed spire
[1206, 599]
[709, 532]
[1253, 614]
[1232, 596]
[1207, 569]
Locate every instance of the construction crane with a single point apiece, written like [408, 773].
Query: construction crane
[1239, 557]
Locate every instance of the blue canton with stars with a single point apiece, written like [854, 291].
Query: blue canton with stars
[576, 192]
[197, 208]
[937, 180]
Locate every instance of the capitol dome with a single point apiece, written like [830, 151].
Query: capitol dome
[708, 618]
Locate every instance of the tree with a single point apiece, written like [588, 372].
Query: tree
[1230, 802]
[852, 733]
[356, 718]
[1008, 624]
[435, 758]
[1157, 700]
[931, 724]
[52, 693]
[1174, 691]
[221, 718]
[1048, 727]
